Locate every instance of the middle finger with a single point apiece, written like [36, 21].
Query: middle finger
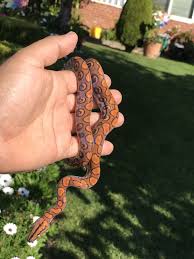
[71, 99]
[95, 116]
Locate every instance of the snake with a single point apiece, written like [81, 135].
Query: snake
[91, 87]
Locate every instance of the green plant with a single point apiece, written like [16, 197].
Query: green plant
[20, 210]
[20, 31]
[185, 37]
[182, 47]
[135, 17]
[173, 31]
[7, 49]
[153, 36]
[109, 34]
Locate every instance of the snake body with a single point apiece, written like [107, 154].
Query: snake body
[92, 86]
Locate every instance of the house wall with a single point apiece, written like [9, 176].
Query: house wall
[106, 16]
[95, 14]
[183, 26]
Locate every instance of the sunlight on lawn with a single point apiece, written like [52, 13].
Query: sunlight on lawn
[143, 205]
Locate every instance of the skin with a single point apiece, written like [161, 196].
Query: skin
[37, 107]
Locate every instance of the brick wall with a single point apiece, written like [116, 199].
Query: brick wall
[102, 15]
[183, 26]
[106, 16]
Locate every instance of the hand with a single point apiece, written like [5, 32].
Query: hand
[37, 107]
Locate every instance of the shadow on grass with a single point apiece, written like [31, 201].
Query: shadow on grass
[147, 183]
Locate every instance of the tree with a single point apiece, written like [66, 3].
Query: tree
[66, 12]
[135, 16]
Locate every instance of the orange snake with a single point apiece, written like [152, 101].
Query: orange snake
[91, 84]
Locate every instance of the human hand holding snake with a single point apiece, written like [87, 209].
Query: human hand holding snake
[38, 107]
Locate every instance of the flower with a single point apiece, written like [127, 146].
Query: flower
[23, 191]
[10, 229]
[32, 244]
[15, 257]
[5, 180]
[13, 4]
[35, 218]
[8, 190]
[30, 257]
[160, 19]
[24, 3]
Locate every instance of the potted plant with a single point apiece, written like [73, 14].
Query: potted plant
[153, 41]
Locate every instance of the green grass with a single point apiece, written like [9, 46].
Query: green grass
[143, 205]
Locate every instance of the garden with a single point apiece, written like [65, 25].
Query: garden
[143, 205]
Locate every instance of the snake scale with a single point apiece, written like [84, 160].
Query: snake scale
[91, 86]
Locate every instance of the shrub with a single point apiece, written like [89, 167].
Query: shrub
[153, 36]
[20, 31]
[109, 34]
[182, 47]
[135, 17]
[7, 49]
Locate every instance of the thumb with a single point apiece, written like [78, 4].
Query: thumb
[47, 51]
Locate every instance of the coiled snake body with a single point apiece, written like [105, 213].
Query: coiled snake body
[91, 85]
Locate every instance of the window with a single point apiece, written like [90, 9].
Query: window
[162, 3]
[182, 10]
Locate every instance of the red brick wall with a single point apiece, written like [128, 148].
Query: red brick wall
[95, 14]
[182, 26]
[106, 16]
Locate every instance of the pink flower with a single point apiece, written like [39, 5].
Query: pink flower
[24, 3]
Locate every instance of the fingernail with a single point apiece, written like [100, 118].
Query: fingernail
[70, 33]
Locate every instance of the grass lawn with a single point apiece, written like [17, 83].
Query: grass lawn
[143, 205]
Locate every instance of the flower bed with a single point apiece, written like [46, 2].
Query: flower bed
[23, 198]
